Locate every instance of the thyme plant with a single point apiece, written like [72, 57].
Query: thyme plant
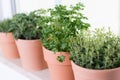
[97, 49]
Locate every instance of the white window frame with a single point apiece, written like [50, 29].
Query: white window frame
[1, 11]
[13, 6]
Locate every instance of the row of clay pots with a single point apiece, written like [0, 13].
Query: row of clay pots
[29, 51]
[32, 58]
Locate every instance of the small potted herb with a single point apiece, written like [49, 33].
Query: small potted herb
[58, 25]
[28, 36]
[95, 55]
[7, 42]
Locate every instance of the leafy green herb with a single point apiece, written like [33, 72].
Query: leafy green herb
[97, 49]
[6, 25]
[61, 58]
[25, 26]
[59, 24]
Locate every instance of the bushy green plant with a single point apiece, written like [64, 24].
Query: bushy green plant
[60, 23]
[25, 26]
[97, 49]
[6, 26]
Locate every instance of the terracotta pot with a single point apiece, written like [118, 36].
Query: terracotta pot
[31, 54]
[8, 46]
[89, 74]
[58, 70]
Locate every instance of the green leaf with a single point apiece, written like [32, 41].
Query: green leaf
[61, 58]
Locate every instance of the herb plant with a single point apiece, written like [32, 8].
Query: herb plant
[6, 26]
[98, 49]
[60, 23]
[25, 26]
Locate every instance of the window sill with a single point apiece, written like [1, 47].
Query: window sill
[16, 67]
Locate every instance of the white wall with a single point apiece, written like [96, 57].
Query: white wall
[5, 10]
[30, 5]
[101, 13]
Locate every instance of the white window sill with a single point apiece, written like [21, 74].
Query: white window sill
[12, 70]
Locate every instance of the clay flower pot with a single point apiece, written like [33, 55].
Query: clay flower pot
[31, 54]
[58, 70]
[89, 74]
[8, 46]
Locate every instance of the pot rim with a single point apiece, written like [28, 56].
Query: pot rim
[56, 52]
[95, 70]
[6, 33]
[27, 40]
